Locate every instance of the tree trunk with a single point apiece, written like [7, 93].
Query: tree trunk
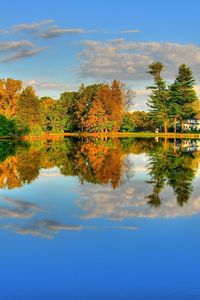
[174, 125]
[165, 126]
[166, 144]
[181, 145]
[174, 146]
[182, 125]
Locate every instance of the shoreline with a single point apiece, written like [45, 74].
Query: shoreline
[58, 136]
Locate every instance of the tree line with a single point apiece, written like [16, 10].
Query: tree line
[93, 108]
[98, 107]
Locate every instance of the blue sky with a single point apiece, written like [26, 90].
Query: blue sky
[56, 45]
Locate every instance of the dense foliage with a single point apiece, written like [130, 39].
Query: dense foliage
[8, 127]
[169, 104]
[99, 107]
[93, 108]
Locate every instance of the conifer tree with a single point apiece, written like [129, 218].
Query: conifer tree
[159, 99]
[183, 95]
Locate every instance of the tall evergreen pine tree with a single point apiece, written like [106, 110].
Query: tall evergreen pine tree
[159, 99]
[182, 95]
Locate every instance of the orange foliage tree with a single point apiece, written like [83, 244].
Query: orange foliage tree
[108, 108]
[9, 94]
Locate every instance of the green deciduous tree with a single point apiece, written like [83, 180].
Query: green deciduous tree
[28, 111]
[59, 119]
[128, 124]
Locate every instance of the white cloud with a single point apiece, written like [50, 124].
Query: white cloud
[197, 89]
[131, 202]
[142, 92]
[47, 85]
[18, 209]
[129, 60]
[4, 31]
[23, 53]
[15, 45]
[43, 228]
[32, 27]
[56, 32]
[15, 50]
[46, 29]
[23, 211]
[131, 31]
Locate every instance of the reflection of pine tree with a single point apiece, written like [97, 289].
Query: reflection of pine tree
[177, 169]
[181, 176]
[157, 169]
[154, 197]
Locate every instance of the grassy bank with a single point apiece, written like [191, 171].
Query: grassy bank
[58, 136]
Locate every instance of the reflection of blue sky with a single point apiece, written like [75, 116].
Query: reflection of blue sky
[139, 165]
[98, 256]
[131, 202]
[70, 205]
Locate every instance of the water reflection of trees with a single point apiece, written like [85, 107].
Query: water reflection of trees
[101, 161]
[92, 160]
[174, 167]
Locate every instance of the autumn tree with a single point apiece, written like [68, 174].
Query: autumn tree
[84, 101]
[100, 111]
[107, 110]
[9, 94]
[97, 119]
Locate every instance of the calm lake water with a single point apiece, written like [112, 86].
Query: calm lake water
[100, 219]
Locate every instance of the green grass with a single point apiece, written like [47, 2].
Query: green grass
[108, 134]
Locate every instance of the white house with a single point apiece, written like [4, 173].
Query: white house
[190, 124]
[188, 145]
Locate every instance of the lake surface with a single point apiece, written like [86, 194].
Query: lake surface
[100, 219]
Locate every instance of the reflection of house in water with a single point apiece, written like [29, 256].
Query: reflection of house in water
[189, 125]
[188, 145]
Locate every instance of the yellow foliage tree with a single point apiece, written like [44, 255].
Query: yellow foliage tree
[9, 94]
